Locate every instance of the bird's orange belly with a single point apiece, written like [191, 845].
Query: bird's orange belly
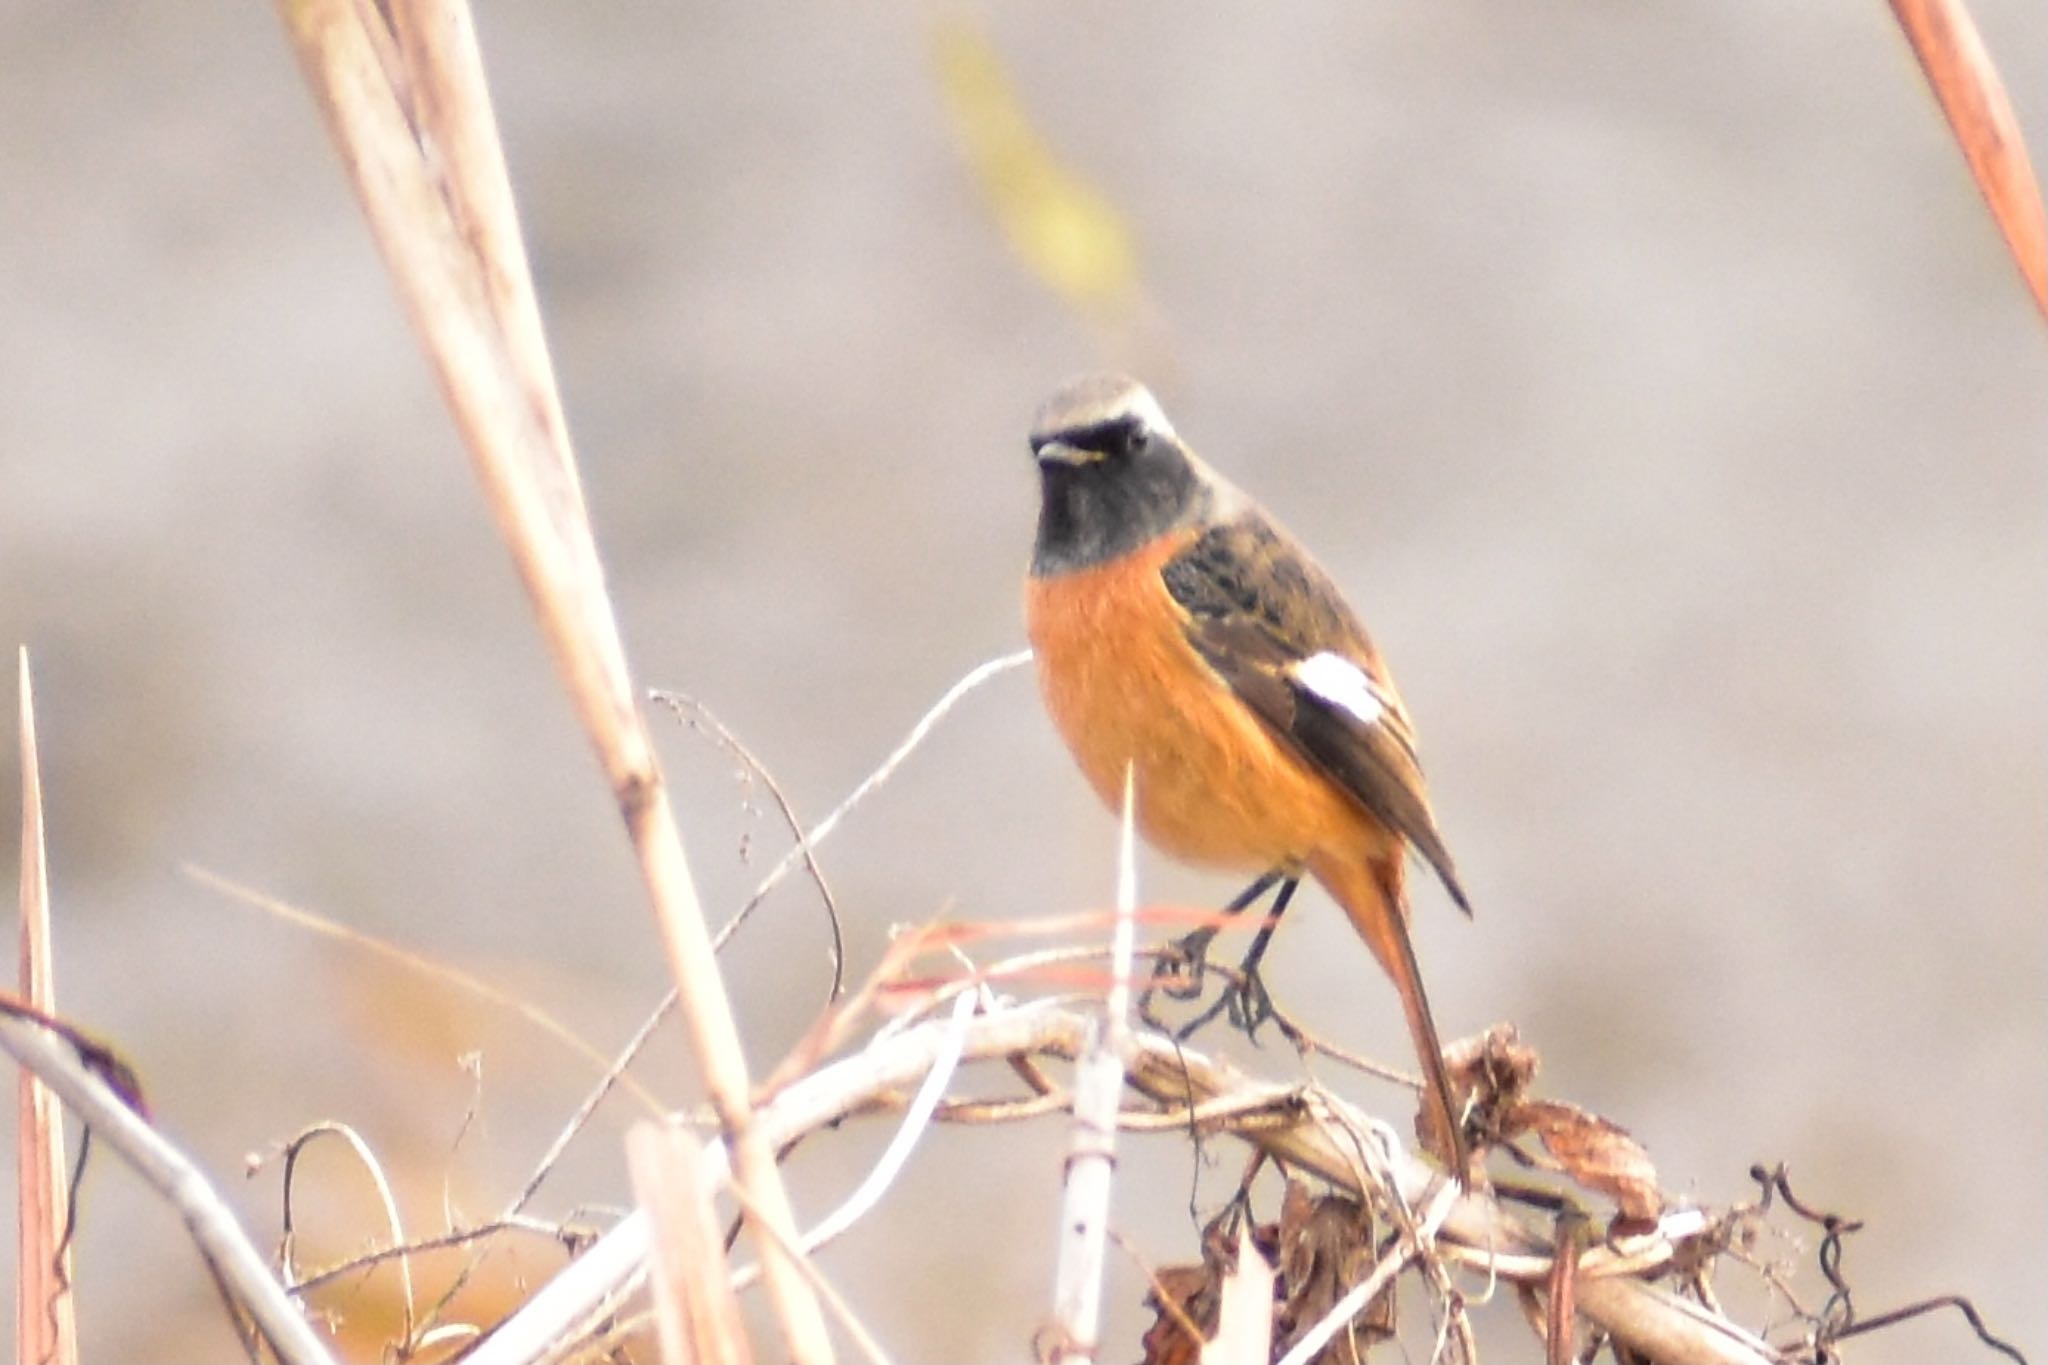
[1124, 686]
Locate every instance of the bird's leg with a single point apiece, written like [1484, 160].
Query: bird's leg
[1191, 952]
[1246, 999]
[1188, 954]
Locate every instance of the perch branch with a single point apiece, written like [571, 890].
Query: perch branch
[1477, 1231]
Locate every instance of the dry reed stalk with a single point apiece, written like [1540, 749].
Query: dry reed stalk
[695, 1308]
[45, 1313]
[409, 114]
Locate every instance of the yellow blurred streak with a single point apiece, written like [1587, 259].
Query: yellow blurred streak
[1068, 234]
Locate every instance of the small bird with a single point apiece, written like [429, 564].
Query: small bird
[1178, 630]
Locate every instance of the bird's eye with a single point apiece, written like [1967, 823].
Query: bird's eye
[1136, 438]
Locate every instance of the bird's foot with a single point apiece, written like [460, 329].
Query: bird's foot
[1245, 1001]
[1183, 964]
[1181, 970]
[1178, 970]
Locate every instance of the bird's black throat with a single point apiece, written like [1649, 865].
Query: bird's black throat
[1092, 513]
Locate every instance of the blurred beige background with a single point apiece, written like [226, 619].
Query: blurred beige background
[1649, 374]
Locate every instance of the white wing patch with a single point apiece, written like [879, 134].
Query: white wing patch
[1340, 682]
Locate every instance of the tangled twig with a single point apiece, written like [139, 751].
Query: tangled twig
[1837, 1319]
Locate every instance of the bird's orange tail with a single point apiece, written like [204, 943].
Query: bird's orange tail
[1369, 891]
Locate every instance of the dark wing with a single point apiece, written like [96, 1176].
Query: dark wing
[1261, 613]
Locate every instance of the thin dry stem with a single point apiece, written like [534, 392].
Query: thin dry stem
[560, 1233]
[386, 1199]
[806, 847]
[908, 745]
[698, 716]
[442, 973]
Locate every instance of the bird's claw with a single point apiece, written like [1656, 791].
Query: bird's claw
[1178, 970]
[1245, 1001]
[1184, 964]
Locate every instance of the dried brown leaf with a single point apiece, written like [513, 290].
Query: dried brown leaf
[1490, 1074]
[1192, 1290]
[1321, 1247]
[1195, 1290]
[1326, 1247]
[1597, 1153]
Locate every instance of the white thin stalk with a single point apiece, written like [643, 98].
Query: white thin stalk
[1091, 1153]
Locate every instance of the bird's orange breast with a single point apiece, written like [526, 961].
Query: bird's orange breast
[1124, 686]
